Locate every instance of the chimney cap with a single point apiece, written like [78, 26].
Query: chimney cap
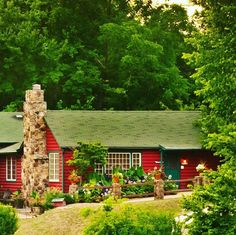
[36, 87]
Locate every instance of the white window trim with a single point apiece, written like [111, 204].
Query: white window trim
[11, 169]
[140, 158]
[131, 164]
[54, 166]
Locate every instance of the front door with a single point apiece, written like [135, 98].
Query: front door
[172, 165]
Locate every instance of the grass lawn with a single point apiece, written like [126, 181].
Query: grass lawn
[69, 221]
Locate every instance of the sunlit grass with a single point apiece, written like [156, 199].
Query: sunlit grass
[69, 221]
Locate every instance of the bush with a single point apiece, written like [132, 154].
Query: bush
[8, 220]
[89, 194]
[212, 207]
[52, 193]
[69, 199]
[129, 220]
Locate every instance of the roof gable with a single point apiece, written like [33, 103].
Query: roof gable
[126, 129]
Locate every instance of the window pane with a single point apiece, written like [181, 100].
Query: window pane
[11, 168]
[136, 159]
[54, 166]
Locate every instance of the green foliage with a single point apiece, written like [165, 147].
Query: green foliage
[134, 174]
[168, 186]
[8, 220]
[69, 199]
[214, 59]
[87, 54]
[89, 194]
[110, 202]
[213, 206]
[36, 199]
[51, 194]
[85, 212]
[140, 189]
[135, 58]
[99, 179]
[87, 155]
[129, 220]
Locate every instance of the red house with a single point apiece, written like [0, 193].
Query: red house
[36, 145]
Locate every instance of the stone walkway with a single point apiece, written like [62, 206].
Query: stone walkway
[24, 213]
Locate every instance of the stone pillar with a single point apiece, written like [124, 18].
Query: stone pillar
[73, 188]
[116, 190]
[35, 159]
[158, 189]
[201, 180]
[198, 180]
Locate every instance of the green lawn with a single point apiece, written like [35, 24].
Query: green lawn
[68, 220]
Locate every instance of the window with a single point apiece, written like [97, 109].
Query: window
[11, 168]
[54, 167]
[122, 160]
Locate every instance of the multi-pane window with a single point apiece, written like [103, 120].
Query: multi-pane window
[11, 168]
[121, 160]
[54, 166]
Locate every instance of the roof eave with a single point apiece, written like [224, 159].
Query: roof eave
[184, 148]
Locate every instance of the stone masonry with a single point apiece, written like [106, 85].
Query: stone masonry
[35, 160]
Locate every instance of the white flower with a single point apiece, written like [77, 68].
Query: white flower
[205, 210]
[200, 167]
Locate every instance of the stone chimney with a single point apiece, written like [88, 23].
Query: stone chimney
[35, 159]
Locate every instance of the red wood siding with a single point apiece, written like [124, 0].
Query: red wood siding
[67, 169]
[12, 185]
[52, 146]
[148, 159]
[148, 162]
[194, 158]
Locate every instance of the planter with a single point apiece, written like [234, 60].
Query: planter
[157, 176]
[116, 179]
[76, 180]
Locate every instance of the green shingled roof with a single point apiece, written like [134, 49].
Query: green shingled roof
[11, 131]
[126, 129]
[11, 127]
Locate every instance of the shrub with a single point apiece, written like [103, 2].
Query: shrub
[110, 202]
[52, 193]
[129, 220]
[89, 194]
[85, 212]
[69, 199]
[213, 206]
[8, 220]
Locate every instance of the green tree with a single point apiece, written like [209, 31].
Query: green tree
[87, 155]
[214, 206]
[171, 26]
[214, 62]
[66, 46]
[139, 71]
